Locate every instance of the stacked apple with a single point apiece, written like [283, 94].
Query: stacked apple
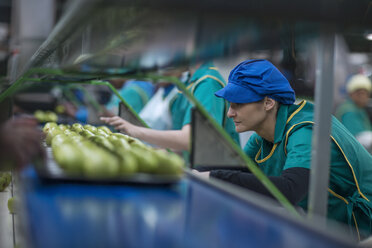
[45, 116]
[5, 179]
[97, 152]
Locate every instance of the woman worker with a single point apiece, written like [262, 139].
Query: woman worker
[261, 99]
[204, 82]
[135, 93]
[352, 112]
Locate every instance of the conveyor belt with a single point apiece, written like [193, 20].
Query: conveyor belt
[188, 214]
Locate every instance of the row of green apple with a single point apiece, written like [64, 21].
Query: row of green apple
[45, 116]
[97, 152]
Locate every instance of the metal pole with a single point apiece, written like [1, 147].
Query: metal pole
[320, 162]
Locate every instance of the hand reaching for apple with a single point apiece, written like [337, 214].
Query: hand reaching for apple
[122, 125]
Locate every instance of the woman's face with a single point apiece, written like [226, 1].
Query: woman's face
[247, 116]
[360, 97]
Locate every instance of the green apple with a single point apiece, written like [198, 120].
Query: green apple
[119, 144]
[59, 139]
[69, 157]
[128, 163]
[48, 126]
[3, 184]
[91, 128]
[137, 143]
[11, 205]
[77, 127]
[70, 133]
[103, 142]
[8, 177]
[87, 144]
[147, 162]
[100, 164]
[63, 127]
[51, 116]
[60, 109]
[77, 139]
[169, 163]
[5, 179]
[50, 135]
[112, 138]
[87, 134]
[121, 136]
[40, 115]
[101, 133]
[105, 129]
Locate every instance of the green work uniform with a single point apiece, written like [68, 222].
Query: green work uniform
[354, 118]
[203, 84]
[134, 95]
[350, 185]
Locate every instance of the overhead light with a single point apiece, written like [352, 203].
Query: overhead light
[369, 36]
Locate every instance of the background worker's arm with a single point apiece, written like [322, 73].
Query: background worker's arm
[172, 139]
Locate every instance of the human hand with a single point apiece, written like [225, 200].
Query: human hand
[69, 109]
[204, 174]
[20, 142]
[105, 112]
[121, 125]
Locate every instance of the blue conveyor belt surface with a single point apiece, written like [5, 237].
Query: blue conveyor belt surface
[187, 214]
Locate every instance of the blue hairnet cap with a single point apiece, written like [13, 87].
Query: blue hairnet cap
[252, 80]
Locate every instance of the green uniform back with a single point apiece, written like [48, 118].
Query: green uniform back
[355, 119]
[205, 81]
[350, 186]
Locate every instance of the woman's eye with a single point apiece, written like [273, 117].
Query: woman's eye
[235, 105]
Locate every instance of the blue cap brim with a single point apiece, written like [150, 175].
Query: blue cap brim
[238, 94]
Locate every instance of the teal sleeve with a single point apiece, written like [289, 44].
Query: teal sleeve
[299, 148]
[204, 93]
[352, 122]
[82, 114]
[133, 98]
[114, 102]
[252, 146]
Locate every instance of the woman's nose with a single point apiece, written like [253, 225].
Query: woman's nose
[231, 113]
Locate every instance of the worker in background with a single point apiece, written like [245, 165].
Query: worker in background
[203, 83]
[261, 99]
[135, 93]
[156, 113]
[352, 112]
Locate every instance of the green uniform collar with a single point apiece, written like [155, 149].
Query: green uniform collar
[201, 71]
[281, 122]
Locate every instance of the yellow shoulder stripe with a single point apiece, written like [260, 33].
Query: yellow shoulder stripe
[194, 84]
[303, 103]
[267, 157]
[339, 147]
[289, 130]
[352, 170]
[338, 196]
[188, 87]
[209, 76]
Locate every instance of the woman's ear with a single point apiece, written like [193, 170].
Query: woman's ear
[269, 103]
